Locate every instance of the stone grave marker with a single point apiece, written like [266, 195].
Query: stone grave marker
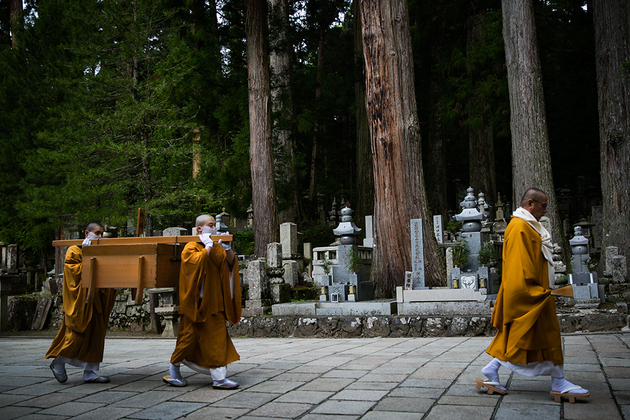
[417, 254]
[289, 240]
[437, 228]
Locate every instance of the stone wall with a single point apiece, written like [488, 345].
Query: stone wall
[128, 316]
[407, 326]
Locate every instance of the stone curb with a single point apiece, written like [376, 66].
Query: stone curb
[406, 326]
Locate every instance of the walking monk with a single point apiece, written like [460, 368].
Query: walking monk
[81, 339]
[209, 294]
[528, 335]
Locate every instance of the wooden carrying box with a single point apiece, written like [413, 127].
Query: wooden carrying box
[133, 263]
[131, 266]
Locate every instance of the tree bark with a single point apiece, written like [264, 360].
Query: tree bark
[612, 51]
[395, 133]
[282, 108]
[481, 136]
[318, 127]
[260, 147]
[365, 180]
[16, 11]
[531, 161]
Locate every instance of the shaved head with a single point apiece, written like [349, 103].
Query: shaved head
[532, 194]
[92, 226]
[203, 219]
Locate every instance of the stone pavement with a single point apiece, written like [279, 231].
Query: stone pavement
[313, 379]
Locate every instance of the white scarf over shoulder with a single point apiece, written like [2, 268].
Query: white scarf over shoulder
[547, 246]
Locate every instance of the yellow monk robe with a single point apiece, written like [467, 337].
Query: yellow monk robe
[82, 333]
[202, 337]
[525, 313]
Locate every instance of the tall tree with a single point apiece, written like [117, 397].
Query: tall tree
[365, 179]
[531, 161]
[481, 132]
[612, 49]
[396, 147]
[260, 144]
[282, 108]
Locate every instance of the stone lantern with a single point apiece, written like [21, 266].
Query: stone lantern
[470, 217]
[585, 284]
[346, 230]
[472, 275]
[223, 221]
[579, 249]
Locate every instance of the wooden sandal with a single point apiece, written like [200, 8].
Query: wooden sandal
[557, 396]
[492, 386]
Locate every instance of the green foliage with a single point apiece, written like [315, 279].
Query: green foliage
[461, 253]
[244, 242]
[592, 264]
[354, 261]
[318, 234]
[454, 226]
[487, 253]
[326, 265]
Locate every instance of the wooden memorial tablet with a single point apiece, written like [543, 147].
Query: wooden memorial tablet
[133, 263]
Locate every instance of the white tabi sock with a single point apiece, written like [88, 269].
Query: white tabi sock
[173, 370]
[219, 373]
[561, 385]
[491, 371]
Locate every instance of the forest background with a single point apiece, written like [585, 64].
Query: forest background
[110, 106]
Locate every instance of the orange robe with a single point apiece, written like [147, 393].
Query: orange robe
[82, 333]
[525, 313]
[202, 337]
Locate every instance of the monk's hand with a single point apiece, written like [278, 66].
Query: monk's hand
[206, 239]
[225, 246]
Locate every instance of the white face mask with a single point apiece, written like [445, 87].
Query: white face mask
[211, 231]
[92, 235]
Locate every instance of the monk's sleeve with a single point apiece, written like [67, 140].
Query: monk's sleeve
[78, 312]
[522, 276]
[229, 284]
[191, 277]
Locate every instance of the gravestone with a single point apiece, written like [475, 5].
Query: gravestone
[619, 269]
[611, 253]
[174, 231]
[369, 232]
[597, 218]
[408, 280]
[12, 259]
[274, 255]
[41, 313]
[257, 303]
[437, 228]
[280, 291]
[289, 240]
[417, 255]
[291, 274]
[449, 262]
[308, 253]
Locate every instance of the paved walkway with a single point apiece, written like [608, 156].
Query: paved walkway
[312, 379]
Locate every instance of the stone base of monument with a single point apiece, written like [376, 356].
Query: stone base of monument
[366, 308]
[445, 308]
[444, 301]
[171, 320]
[440, 295]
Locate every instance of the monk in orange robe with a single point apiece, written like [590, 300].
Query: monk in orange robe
[81, 339]
[528, 335]
[209, 294]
